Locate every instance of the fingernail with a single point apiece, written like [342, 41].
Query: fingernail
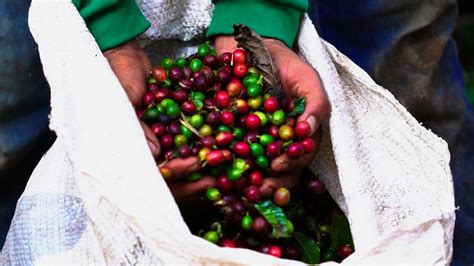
[313, 122]
[152, 147]
[279, 165]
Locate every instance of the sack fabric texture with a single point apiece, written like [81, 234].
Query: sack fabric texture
[97, 197]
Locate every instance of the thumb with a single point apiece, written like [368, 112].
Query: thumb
[317, 108]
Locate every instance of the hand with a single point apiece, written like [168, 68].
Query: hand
[299, 80]
[182, 189]
[131, 66]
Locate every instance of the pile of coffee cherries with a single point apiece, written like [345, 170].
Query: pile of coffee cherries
[218, 109]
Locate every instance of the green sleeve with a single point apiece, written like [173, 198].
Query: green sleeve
[112, 22]
[277, 19]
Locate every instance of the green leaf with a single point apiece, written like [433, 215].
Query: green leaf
[275, 217]
[340, 232]
[299, 106]
[309, 249]
[198, 102]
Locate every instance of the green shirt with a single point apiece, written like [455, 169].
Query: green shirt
[113, 22]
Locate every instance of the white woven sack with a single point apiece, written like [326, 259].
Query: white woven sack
[97, 197]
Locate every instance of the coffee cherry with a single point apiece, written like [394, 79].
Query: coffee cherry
[255, 102]
[213, 118]
[161, 94]
[215, 158]
[260, 225]
[266, 139]
[174, 129]
[308, 145]
[286, 133]
[164, 119]
[344, 251]
[290, 121]
[234, 87]
[241, 106]
[295, 150]
[275, 251]
[238, 207]
[246, 222]
[273, 150]
[223, 139]
[184, 151]
[167, 63]
[262, 162]
[234, 174]
[180, 62]
[252, 194]
[151, 115]
[273, 131]
[240, 57]
[250, 79]
[224, 183]
[176, 74]
[223, 128]
[278, 118]
[159, 73]
[168, 155]
[223, 77]
[256, 149]
[166, 172]
[211, 61]
[225, 58]
[202, 82]
[251, 137]
[271, 105]
[158, 129]
[203, 49]
[180, 140]
[208, 142]
[303, 129]
[240, 70]
[227, 118]
[195, 65]
[316, 187]
[203, 152]
[213, 194]
[252, 122]
[179, 95]
[209, 104]
[196, 121]
[205, 131]
[329, 255]
[195, 151]
[242, 149]
[166, 142]
[222, 99]
[211, 236]
[148, 99]
[188, 108]
[253, 90]
[263, 118]
[281, 197]
[227, 243]
[238, 134]
[256, 178]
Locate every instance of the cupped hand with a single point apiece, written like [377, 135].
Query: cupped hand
[132, 67]
[298, 80]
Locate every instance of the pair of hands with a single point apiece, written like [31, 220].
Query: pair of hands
[131, 66]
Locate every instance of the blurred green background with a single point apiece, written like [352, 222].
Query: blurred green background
[464, 36]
